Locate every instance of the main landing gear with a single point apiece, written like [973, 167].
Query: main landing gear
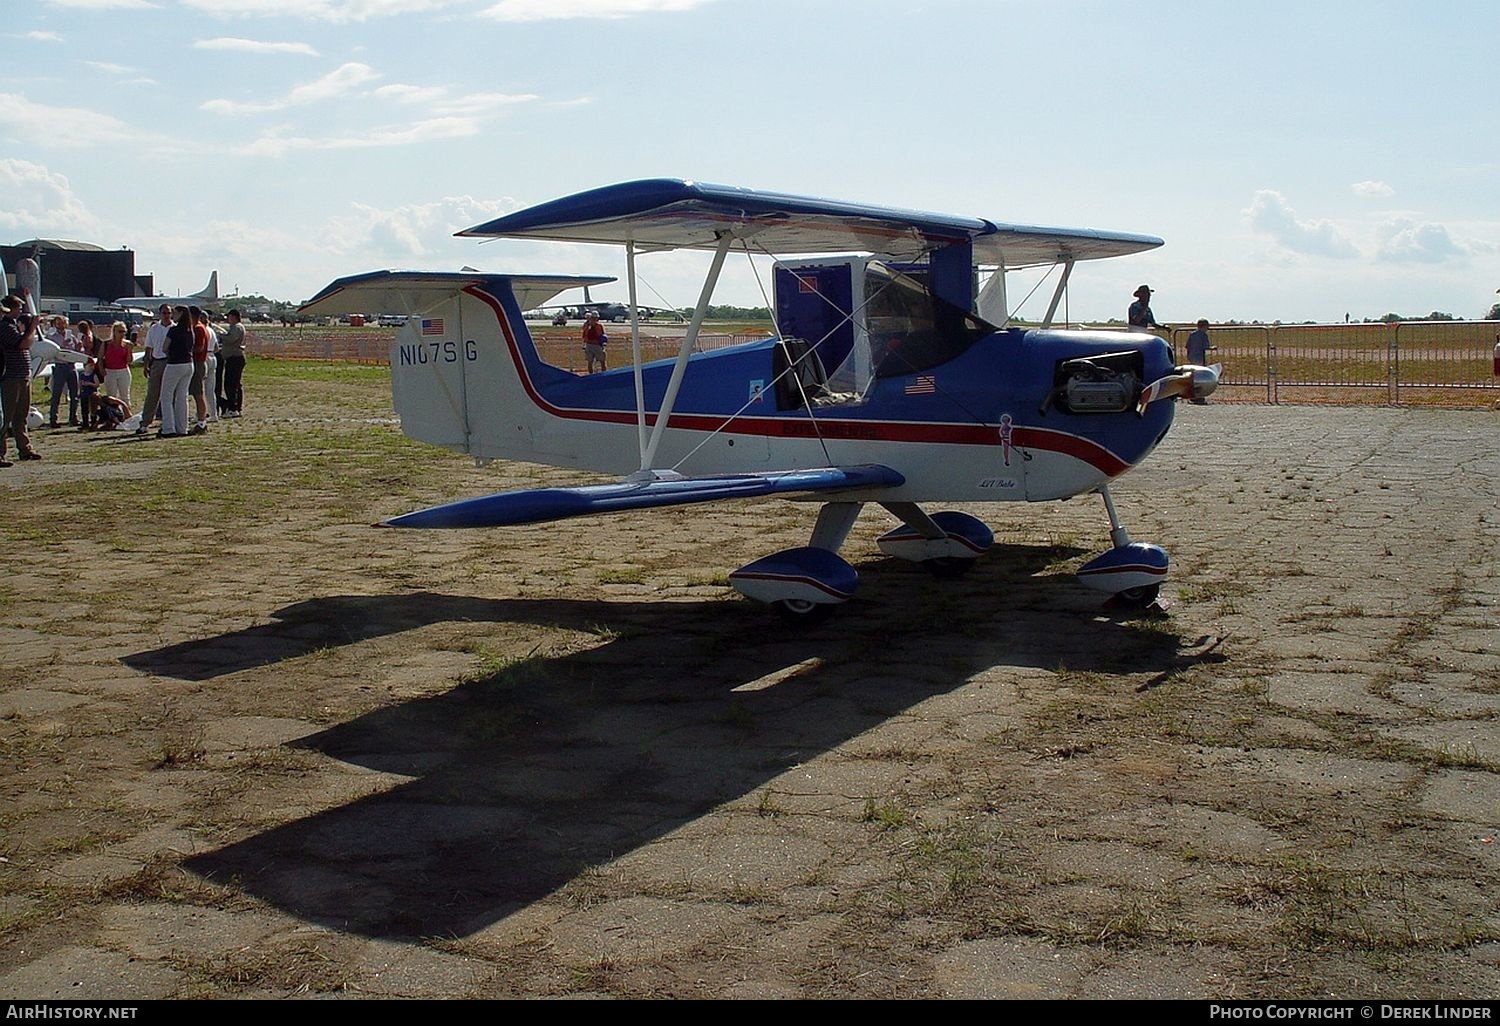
[804, 585]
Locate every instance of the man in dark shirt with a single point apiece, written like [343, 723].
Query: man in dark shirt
[1140, 316]
[17, 330]
[1198, 346]
[232, 360]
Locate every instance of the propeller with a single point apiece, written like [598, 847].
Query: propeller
[1188, 381]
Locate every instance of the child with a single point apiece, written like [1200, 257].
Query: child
[110, 412]
[88, 387]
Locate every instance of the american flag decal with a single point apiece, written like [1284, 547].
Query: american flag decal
[432, 325]
[922, 384]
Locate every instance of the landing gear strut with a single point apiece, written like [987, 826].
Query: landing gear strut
[1132, 572]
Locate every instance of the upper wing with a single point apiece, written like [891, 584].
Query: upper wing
[538, 505]
[666, 213]
[413, 291]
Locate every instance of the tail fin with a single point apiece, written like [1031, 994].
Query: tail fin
[465, 374]
[209, 292]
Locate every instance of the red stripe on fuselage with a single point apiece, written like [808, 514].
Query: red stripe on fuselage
[1076, 446]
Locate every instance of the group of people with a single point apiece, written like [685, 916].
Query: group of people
[183, 352]
[1140, 317]
[97, 363]
[183, 355]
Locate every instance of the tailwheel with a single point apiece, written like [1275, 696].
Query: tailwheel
[1139, 598]
[948, 568]
[802, 612]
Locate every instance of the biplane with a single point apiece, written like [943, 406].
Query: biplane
[893, 377]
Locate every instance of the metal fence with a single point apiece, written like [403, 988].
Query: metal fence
[1447, 363]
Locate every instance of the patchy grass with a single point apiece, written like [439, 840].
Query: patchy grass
[885, 814]
[292, 966]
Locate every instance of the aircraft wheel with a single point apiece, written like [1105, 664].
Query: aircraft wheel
[802, 612]
[1139, 598]
[948, 568]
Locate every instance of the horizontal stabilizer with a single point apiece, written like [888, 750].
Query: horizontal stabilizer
[412, 292]
[539, 505]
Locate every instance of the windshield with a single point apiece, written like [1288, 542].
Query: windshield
[910, 329]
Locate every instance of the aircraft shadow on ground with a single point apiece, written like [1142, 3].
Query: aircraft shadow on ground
[524, 779]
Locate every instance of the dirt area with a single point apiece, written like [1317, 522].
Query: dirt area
[254, 747]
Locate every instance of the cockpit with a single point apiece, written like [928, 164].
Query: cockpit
[847, 323]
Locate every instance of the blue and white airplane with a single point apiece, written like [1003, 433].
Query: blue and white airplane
[891, 378]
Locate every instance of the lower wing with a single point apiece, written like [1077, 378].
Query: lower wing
[538, 505]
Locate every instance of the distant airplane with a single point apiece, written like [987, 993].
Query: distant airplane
[208, 296]
[614, 312]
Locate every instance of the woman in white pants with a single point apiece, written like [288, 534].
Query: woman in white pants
[117, 354]
[178, 376]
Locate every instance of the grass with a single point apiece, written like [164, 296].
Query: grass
[885, 814]
[177, 750]
[622, 575]
[500, 671]
[294, 966]
[1090, 679]
[161, 879]
[769, 805]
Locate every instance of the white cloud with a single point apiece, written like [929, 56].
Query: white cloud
[336, 83]
[549, 10]
[37, 123]
[1373, 190]
[103, 5]
[234, 107]
[415, 231]
[112, 69]
[441, 103]
[308, 257]
[483, 103]
[253, 46]
[342, 80]
[1402, 240]
[1270, 215]
[401, 93]
[337, 11]
[40, 201]
[43, 36]
[430, 130]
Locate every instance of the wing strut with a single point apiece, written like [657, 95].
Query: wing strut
[688, 341]
[1057, 294]
[635, 349]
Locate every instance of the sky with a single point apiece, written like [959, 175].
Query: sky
[1303, 161]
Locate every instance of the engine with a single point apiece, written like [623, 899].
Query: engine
[1108, 383]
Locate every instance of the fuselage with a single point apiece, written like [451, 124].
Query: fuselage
[981, 416]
